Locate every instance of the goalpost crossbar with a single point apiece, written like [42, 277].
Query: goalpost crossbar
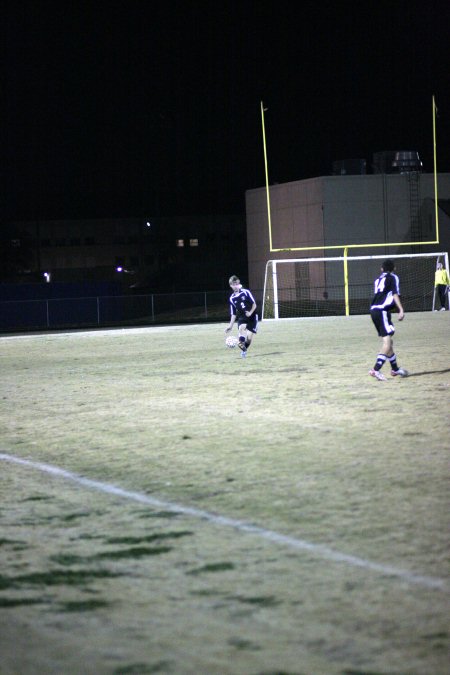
[343, 284]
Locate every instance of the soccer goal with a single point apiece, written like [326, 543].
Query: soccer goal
[344, 285]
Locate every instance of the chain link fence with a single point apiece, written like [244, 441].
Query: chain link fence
[122, 310]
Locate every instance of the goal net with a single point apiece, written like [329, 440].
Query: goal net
[344, 285]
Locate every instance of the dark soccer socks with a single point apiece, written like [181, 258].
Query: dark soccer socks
[393, 362]
[243, 343]
[381, 358]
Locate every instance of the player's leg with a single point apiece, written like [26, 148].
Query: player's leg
[382, 357]
[441, 290]
[384, 328]
[245, 343]
[251, 329]
[392, 358]
[242, 330]
[388, 346]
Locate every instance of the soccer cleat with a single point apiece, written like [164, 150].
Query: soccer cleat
[243, 354]
[377, 374]
[442, 309]
[242, 346]
[401, 371]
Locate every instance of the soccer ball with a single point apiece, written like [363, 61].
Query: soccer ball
[231, 341]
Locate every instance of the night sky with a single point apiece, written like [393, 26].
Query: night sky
[138, 108]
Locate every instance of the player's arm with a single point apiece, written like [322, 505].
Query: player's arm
[232, 318]
[231, 324]
[399, 305]
[250, 311]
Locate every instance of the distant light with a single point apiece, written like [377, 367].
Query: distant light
[148, 224]
[47, 276]
[125, 271]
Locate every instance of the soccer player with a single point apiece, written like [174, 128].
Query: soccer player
[387, 296]
[242, 308]
[441, 283]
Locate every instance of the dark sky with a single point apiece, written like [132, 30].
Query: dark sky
[141, 108]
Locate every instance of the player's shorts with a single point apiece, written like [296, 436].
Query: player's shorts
[250, 322]
[383, 322]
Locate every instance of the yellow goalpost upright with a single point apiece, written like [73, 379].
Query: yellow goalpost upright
[346, 247]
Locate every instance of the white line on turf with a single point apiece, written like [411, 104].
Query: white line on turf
[120, 332]
[108, 332]
[282, 539]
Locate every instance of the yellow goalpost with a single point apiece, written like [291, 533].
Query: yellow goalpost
[345, 248]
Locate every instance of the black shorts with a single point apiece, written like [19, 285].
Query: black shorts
[251, 322]
[382, 321]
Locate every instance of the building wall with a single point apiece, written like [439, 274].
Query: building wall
[353, 210]
[173, 253]
[339, 211]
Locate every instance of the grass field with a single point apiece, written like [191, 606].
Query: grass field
[285, 513]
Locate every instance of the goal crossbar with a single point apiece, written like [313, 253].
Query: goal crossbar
[290, 289]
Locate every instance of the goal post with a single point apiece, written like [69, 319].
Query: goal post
[301, 287]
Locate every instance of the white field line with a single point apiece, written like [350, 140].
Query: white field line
[110, 332]
[270, 535]
[120, 332]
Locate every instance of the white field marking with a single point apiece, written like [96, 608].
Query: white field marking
[110, 332]
[281, 539]
[119, 332]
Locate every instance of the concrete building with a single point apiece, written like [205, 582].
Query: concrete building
[342, 210]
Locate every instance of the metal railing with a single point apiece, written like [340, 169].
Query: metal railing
[121, 310]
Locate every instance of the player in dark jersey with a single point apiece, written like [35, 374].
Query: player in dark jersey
[242, 309]
[387, 296]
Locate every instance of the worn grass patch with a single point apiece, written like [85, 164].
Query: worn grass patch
[133, 552]
[159, 514]
[143, 668]
[11, 542]
[149, 537]
[259, 601]
[84, 605]
[18, 602]
[55, 577]
[213, 567]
